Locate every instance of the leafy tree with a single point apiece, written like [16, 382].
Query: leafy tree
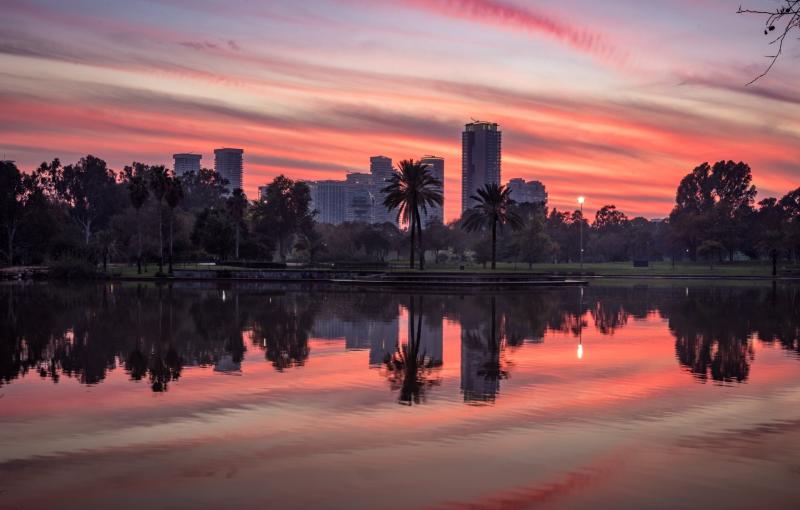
[771, 235]
[439, 238]
[492, 209]
[712, 203]
[202, 189]
[710, 250]
[11, 192]
[237, 207]
[214, 231]
[411, 190]
[791, 207]
[531, 243]
[173, 197]
[284, 212]
[158, 180]
[312, 244]
[609, 218]
[138, 192]
[88, 189]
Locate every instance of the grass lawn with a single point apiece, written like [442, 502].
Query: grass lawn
[597, 269]
[627, 269]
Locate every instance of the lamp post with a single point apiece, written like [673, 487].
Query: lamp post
[581, 200]
[580, 326]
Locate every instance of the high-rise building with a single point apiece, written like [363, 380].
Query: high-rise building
[480, 159]
[436, 168]
[328, 198]
[359, 201]
[228, 163]
[185, 163]
[380, 167]
[531, 192]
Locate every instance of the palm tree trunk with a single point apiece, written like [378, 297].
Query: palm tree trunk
[237, 241]
[774, 262]
[494, 244]
[11, 233]
[171, 214]
[160, 239]
[139, 242]
[413, 231]
[421, 248]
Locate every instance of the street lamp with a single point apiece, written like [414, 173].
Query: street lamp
[580, 326]
[581, 200]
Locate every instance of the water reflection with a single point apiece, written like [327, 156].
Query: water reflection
[154, 332]
[411, 368]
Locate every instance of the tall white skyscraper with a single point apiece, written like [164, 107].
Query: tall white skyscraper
[380, 167]
[480, 159]
[185, 162]
[436, 168]
[229, 164]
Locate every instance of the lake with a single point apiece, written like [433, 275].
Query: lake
[196, 395]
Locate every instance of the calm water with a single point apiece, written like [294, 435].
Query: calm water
[197, 396]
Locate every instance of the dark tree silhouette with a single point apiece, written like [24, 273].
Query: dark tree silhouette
[87, 188]
[11, 191]
[492, 210]
[411, 190]
[158, 180]
[237, 207]
[173, 197]
[138, 192]
[284, 211]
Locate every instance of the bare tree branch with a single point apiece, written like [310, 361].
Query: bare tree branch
[784, 19]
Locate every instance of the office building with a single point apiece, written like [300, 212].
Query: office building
[436, 167]
[380, 167]
[359, 201]
[480, 159]
[229, 164]
[328, 198]
[531, 192]
[185, 163]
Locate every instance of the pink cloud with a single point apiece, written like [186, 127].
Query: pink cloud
[499, 13]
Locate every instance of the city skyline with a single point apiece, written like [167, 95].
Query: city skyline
[586, 108]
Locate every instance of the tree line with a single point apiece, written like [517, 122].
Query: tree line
[144, 215]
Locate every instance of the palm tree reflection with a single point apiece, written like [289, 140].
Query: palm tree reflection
[410, 369]
[481, 364]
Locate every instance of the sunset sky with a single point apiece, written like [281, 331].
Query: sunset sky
[616, 100]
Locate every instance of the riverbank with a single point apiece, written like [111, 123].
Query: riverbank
[433, 273]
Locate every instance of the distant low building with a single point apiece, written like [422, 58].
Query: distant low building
[531, 192]
[186, 162]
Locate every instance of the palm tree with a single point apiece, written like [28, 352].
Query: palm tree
[411, 190]
[138, 191]
[173, 197]
[493, 209]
